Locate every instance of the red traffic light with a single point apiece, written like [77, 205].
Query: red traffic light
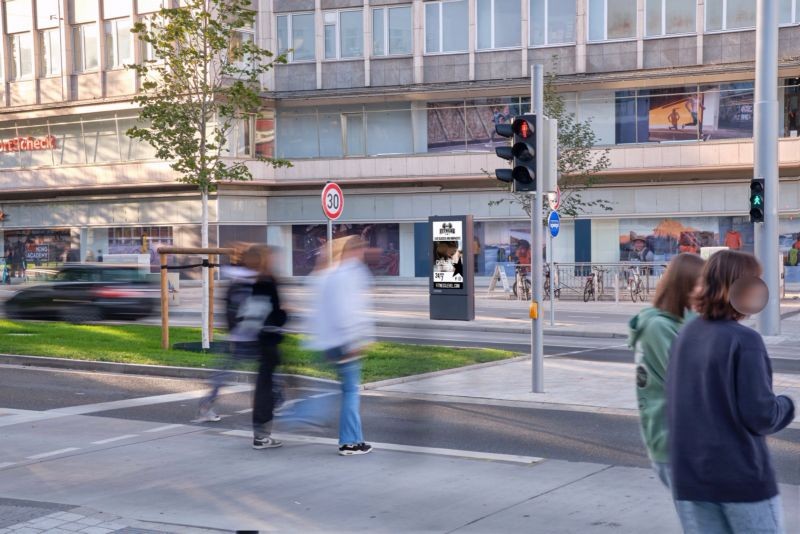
[523, 128]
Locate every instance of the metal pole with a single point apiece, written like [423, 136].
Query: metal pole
[330, 243]
[552, 281]
[537, 343]
[765, 139]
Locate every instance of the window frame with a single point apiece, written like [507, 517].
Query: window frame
[338, 34]
[439, 4]
[290, 35]
[15, 74]
[664, 33]
[605, 26]
[79, 67]
[724, 28]
[114, 52]
[547, 43]
[492, 29]
[387, 52]
[45, 64]
[794, 14]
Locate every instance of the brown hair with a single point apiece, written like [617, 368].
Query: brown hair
[722, 270]
[674, 292]
[258, 258]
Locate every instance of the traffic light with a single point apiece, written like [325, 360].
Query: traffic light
[522, 153]
[757, 200]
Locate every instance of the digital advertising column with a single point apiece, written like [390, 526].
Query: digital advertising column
[452, 288]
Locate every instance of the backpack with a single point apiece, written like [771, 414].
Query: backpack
[793, 252]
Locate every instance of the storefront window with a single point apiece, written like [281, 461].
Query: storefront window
[140, 240]
[501, 244]
[791, 103]
[38, 248]
[308, 241]
[789, 244]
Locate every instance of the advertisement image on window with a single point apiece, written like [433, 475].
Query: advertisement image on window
[460, 126]
[448, 255]
[383, 258]
[38, 248]
[648, 240]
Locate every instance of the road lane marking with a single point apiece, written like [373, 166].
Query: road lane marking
[435, 451]
[246, 410]
[112, 440]
[163, 428]
[52, 453]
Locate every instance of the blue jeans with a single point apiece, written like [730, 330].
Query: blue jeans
[662, 470]
[350, 417]
[762, 517]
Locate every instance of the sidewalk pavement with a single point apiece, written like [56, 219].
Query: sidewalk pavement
[188, 476]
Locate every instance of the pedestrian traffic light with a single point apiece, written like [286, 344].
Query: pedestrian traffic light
[757, 200]
[522, 153]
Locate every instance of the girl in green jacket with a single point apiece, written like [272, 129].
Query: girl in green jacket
[652, 332]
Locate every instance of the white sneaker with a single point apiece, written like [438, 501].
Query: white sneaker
[207, 416]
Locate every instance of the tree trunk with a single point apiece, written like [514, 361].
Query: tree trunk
[204, 278]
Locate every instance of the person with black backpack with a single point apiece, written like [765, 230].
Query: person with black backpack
[255, 320]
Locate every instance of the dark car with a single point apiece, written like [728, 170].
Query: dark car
[83, 293]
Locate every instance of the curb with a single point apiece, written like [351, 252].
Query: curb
[434, 374]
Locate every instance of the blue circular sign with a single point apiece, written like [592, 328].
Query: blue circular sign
[554, 223]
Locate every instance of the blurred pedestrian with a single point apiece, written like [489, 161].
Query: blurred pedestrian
[721, 407]
[341, 328]
[652, 332]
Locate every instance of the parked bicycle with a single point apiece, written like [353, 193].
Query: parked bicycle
[593, 287]
[522, 286]
[636, 284]
[556, 289]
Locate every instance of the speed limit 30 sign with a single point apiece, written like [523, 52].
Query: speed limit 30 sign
[332, 201]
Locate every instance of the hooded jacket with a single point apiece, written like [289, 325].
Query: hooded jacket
[652, 332]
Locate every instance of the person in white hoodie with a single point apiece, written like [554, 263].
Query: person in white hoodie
[340, 328]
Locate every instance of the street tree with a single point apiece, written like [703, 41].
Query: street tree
[200, 79]
[579, 163]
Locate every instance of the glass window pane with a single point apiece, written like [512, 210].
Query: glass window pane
[330, 41]
[149, 6]
[303, 37]
[741, 14]
[114, 8]
[561, 15]
[90, 46]
[680, 16]
[46, 13]
[621, 19]
[18, 15]
[330, 135]
[653, 18]
[597, 20]
[283, 34]
[389, 132]
[83, 10]
[355, 134]
[713, 15]
[432, 28]
[400, 30]
[507, 30]
[785, 15]
[378, 32]
[124, 42]
[537, 22]
[297, 136]
[484, 24]
[351, 33]
[455, 37]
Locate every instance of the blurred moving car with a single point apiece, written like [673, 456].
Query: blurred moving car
[83, 293]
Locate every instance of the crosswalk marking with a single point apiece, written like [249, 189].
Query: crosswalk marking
[52, 453]
[112, 440]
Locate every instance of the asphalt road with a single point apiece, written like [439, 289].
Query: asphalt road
[554, 434]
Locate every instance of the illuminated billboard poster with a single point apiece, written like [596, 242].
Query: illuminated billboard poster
[448, 252]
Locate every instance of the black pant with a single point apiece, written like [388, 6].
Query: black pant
[264, 399]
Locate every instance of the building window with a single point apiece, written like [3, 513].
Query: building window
[240, 37]
[612, 19]
[239, 139]
[498, 24]
[552, 22]
[724, 15]
[21, 48]
[344, 34]
[788, 12]
[391, 31]
[296, 36]
[664, 17]
[450, 36]
[51, 52]
[84, 40]
[118, 43]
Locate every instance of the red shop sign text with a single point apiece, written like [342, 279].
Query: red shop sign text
[27, 144]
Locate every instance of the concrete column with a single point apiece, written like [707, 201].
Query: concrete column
[406, 249]
[473, 33]
[85, 246]
[367, 42]
[37, 53]
[67, 62]
[6, 57]
[419, 126]
[581, 30]
[281, 238]
[266, 35]
[700, 26]
[640, 34]
[525, 37]
[319, 40]
[418, 23]
[101, 49]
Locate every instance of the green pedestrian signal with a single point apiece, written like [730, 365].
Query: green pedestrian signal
[757, 200]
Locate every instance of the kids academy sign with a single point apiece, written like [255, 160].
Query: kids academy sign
[27, 144]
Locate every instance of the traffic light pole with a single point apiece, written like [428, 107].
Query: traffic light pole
[537, 341]
[766, 159]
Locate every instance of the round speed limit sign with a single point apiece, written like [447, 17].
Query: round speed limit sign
[332, 201]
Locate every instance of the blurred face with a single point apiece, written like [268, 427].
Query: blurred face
[638, 245]
[749, 296]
